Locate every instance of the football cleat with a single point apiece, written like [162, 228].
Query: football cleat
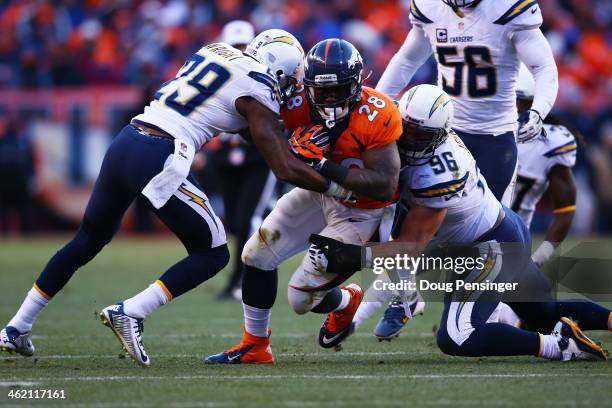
[339, 325]
[12, 341]
[395, 318]
[575, 345]
[251, 350]
[128, 330]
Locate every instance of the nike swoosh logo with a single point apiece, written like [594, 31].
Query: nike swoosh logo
[533, 10]
[327, 341]
[387, 122]
[233, 358]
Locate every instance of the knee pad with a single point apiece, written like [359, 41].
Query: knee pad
[301, 302]
[257, 253]
[221, 255]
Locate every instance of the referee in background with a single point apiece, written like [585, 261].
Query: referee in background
[247, 185]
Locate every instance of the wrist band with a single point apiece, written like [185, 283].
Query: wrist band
[366, 257]
[566, 209]
[332, 171]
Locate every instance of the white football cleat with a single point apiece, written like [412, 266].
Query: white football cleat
[12, 341]
[574, 344]
[128, 330]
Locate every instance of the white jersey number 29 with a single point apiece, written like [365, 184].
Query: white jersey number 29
[195, 82]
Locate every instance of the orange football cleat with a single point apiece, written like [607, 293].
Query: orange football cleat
[339, 325]
[251, 350]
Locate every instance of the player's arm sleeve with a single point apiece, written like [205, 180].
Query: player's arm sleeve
[411, 55]
[533, 49]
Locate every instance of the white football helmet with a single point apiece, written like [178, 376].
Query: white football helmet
[459, 3]
[525, 84]
[427, 112]
[282, 53]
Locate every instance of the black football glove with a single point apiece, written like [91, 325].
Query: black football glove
[342, 259]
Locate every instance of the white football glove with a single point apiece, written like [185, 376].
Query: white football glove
[338, 192]
[317, 258]
[530, 125]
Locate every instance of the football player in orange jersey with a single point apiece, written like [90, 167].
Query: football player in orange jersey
[347, 132]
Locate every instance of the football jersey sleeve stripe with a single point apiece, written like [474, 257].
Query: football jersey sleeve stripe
[441, 189]
[267, 81]
[565, 148]
[516, 10]
[416, 13]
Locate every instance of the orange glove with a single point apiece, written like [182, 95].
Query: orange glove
[309, 144]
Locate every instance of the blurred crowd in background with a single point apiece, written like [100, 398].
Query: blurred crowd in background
[47, 44]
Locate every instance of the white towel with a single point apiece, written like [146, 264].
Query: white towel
[176, 169]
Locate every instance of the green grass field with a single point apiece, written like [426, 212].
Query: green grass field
[76, 353]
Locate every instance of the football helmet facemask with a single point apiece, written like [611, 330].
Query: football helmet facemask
[461, 3]
[333, 80]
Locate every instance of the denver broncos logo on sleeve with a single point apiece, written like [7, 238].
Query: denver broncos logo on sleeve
[565, 148]
[516, 10]
[441, 189]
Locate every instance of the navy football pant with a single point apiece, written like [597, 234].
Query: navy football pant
[496, 157]
[131, 161]
[465, 329]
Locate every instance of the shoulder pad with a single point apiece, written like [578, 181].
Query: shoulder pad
[522, 14]
[560, 137]
[416, 15]
[268, 80]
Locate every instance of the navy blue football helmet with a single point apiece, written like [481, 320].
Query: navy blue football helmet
[332, 78]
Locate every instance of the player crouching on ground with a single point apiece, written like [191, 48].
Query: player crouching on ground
[450, 203]
[351, 142]
[219, 89]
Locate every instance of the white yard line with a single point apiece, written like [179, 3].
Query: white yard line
[298, 403]
[238, 334]
[308, 377]
[18, 383]
[288, 354]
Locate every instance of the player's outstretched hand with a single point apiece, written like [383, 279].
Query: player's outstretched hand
[341, 258]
